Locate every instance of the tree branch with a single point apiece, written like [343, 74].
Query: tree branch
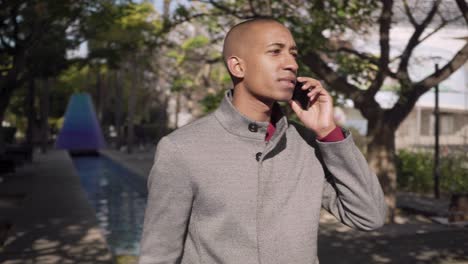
[367, 57]
[368, 106]
[252, 8]
[214, 60]
[362, 55]
[339, 83]
[227, 10]
[185, 19]
[408, 13]
[443, 24]
[410, 95]
[385, 22]
[453, 65]
[414, 41]
[463, 8]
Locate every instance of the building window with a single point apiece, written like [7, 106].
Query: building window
[446, 125]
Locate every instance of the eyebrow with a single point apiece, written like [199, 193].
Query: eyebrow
[282, 45]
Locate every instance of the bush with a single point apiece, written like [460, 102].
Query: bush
[415, 172]
[454, 174]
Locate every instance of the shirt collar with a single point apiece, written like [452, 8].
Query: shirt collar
[236, 123]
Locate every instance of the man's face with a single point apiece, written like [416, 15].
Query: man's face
[270, 62]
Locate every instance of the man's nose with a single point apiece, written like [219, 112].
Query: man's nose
[291, 64]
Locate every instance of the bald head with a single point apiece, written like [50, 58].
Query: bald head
[239, 36]
[260, 55]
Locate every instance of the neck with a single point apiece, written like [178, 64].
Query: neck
[251, 106]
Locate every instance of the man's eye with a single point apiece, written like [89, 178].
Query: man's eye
[276, 51]
[294, 54]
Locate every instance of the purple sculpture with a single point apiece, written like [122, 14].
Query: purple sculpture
[81, 131]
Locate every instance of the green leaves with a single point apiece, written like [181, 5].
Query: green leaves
[128, 28]
[181, 12]
[195, 43]
[211, 101]
[181, 83]
[361, 72]
[415, 172]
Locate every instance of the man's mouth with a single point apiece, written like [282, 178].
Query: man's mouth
[290, 82]
[291, 79]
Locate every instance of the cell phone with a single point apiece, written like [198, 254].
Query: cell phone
[300, 96]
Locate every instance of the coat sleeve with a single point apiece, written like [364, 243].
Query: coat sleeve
[352, 192]
[168, 207]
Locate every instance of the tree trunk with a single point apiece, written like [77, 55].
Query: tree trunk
[131, 108]
[5, 94]
[44, 102]
[98, 94]
[10, 82]
[31, 113]
[106, 95]
[2, 112]
[382, 160]
[118, 106]
[166, 8]
[177, 110]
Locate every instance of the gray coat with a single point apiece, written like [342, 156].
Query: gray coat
[218, 193]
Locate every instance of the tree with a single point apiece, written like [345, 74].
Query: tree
[196, 71]
[355, 74]
[34, 37]
[132, 34]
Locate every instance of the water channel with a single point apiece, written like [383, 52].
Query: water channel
[118, 196]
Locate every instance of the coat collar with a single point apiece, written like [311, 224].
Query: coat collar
[236, 123]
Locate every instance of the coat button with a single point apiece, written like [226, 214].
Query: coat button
[258, 156]
[253, 127]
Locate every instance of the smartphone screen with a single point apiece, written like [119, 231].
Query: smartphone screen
[300, 96]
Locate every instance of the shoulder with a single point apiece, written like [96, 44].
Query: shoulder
[193, 127]
[197, 129]
[174, 142]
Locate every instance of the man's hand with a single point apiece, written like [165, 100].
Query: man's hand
[319, 116]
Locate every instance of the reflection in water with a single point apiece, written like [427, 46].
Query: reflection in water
[118, 196]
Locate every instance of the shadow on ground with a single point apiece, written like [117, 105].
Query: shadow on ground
[75, 242]
[448, 245]
[45, 216]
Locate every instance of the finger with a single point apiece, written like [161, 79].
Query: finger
[302, 79]
[320, 90]
[296, 107]
[311, 85]
[316, 92]
[306, 79]
[313, 100]
[308, 87]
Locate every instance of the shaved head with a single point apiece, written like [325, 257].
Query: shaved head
[260, 55]
[241, 35]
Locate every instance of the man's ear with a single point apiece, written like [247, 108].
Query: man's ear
[235, 65]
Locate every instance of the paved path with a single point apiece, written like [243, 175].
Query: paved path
[415, 240]
[52, 219]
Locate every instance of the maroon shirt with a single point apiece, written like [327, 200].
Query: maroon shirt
[335, 135]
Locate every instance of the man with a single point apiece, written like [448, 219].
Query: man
[243, 185]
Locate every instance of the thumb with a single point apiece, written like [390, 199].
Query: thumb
[296, 107]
